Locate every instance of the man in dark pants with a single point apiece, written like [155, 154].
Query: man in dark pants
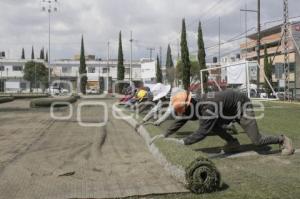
[216, 110]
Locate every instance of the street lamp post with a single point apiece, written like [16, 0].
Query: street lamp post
[49, 6]
[35, 75]
[108, 67]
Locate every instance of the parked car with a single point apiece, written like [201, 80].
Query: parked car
[91, 91]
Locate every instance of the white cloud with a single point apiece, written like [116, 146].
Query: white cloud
[154, 23]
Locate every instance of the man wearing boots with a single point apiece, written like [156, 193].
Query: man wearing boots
[216, 110]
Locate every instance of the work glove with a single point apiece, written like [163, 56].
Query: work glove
[155, 123]
[148, 123]
[177, 141]
[156, 137]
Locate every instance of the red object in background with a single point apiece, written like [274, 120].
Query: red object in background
[297, 27]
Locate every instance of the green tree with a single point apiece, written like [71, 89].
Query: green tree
[23, 54]
[32, 53]
[82, 69]
[268, 72]
[121, 68]
[159, 78]
[201, 55]
[46, 59]
[169, 66]
[42, 54]
[36, 73]
[185, 58]
[195, 68]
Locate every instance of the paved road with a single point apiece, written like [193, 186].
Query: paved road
[45, 158]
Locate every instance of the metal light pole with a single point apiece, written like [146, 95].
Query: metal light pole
[130, 70]
[219, 53]
[49, 6]
[1, 82]
[107, 67]
[258, 38]
[150, 51]
[35, 75]
[286, 48]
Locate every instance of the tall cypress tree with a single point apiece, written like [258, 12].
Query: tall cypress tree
[46, 59]
[121, 68]
[169, 66]
[268, 71]
[32, 53]
[42, 54]
[82, 69]
[159, 78]
[185, 58]
[23, 54]
[202, 55]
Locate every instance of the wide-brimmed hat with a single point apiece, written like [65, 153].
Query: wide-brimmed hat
[141, 94]
[180, 101]
[160, 91]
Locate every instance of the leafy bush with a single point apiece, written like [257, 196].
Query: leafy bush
[6, 99]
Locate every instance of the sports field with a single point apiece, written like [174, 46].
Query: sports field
[249, 175]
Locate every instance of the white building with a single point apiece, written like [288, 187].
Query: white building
[11, 75]
[11, 72]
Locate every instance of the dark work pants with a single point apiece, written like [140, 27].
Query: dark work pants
[251, 128]
[222, 133]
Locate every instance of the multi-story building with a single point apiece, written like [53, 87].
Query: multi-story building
[96, 69]
[11, 75]
[11, 72]
[271, 38]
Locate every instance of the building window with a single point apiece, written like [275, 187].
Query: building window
[279, 70]
[91, 69]
[104, 70]
[127, 70]
[1, 68]
[292, 67]
[17, 68]
[65, 70]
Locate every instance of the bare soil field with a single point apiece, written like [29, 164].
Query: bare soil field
[45, 158]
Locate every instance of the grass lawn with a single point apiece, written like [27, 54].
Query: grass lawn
[258, 176]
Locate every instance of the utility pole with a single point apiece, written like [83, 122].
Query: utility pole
[258, 43]
[107, 66]
[130, 70]
[258, 38]
[178, 50]
[246, 32]
[219, 39]
[286, 48]
[49, 6]
[35, 75]
[160, 56]
[150, 51]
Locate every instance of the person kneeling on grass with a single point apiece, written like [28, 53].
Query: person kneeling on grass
[216, 110]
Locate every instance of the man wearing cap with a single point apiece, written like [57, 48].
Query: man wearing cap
[215, 111]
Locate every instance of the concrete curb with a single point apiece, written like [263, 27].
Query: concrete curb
[177, 172]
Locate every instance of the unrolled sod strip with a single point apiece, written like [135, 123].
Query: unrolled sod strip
[46, 102]
[200, 176]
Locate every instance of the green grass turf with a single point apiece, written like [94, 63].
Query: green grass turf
[263, 176]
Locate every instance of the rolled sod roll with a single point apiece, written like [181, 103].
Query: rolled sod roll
[6, 99]
[202, 176]
[46, 102]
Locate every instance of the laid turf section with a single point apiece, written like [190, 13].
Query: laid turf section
[46, 102]
[6, 99]
[24, 95]
[257, 176]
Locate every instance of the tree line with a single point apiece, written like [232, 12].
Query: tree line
[185, 69]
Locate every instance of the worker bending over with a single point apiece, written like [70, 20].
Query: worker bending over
[216, 110]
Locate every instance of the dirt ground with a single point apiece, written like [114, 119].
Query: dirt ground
[45, 158]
